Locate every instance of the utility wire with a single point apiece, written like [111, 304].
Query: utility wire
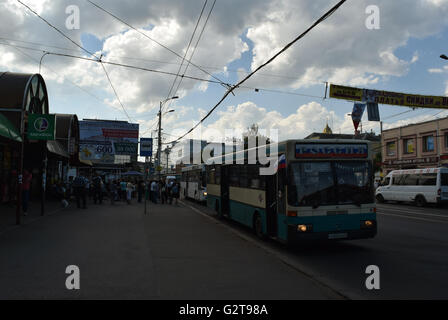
[186, 52]
[230, 90]
[115, 92]
[197, 43]
[160, 44]
[82, 48]
[258, 89]
[59, 31]
[71, 82]
[141, 59]
[130, 66]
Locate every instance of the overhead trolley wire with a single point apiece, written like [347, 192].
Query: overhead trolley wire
[197, 42]
[186, 52]
[157, 42]
[57, 30]
[230, 90]
[82, 48]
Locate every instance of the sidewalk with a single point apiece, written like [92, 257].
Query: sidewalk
[8, 213]
[170, 253]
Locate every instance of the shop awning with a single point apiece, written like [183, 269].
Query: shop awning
[85, 162]
[8, 130]
[57, 148]
[78, 162]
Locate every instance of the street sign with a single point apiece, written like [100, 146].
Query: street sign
[41, 126]
[145, 147]
[373, 111]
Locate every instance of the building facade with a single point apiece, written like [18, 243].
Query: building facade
[420, 145]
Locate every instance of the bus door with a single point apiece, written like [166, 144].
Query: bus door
[271, 205]
[281, 191]
[225, 198]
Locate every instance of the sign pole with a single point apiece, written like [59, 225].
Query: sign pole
[146, 151]
[44, 177]
[146, 181]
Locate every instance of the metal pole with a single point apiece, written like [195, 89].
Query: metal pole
[146, 180]
[159, 142]
[20, 170]
[44, 177]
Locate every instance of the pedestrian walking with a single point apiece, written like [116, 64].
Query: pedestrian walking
[169, 191]
[164, 193]
[140, 190]
[154, 191]
[129, 189]
[112, 192]
[80, 184]
[97, 190]
[123, 186]
[26, 185]
[175, 190]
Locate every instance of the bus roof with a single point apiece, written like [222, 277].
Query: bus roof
[281, 146]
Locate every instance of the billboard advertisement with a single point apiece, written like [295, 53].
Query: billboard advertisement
[101, 140]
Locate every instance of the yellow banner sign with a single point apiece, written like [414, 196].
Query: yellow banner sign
[346, 93]
[388, 97]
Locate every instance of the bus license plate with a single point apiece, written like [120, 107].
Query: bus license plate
[332, 236]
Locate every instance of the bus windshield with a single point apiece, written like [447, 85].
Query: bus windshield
[330, 183]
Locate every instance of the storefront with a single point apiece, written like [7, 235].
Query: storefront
[20, 95]
[416, 146]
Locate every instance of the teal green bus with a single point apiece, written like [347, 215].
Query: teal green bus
[321, 190]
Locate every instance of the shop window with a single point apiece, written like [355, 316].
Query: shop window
[391, 149]
[428, 144]
[408, 146]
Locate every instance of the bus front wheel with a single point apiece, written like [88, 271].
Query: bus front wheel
[258, 226]
[218, 212]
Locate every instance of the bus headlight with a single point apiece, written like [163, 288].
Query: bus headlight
[367, 224]
[305, 227]
[204, 193]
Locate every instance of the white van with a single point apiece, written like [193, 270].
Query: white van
[420, 186]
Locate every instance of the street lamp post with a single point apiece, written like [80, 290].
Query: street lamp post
[159, 142]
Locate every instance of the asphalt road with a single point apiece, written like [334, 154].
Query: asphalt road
[411, 251]
[171, 253]
[184, 252]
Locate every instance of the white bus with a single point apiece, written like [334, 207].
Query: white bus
[420, 186]
[193, 183]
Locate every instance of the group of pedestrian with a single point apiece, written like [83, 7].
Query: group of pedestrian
[164, 192]
[115, 190]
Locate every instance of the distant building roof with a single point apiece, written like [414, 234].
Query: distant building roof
[327, 130]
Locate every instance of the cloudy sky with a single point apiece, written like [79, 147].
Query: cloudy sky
[402, 55]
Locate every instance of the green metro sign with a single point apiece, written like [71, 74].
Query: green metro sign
[41, 126]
